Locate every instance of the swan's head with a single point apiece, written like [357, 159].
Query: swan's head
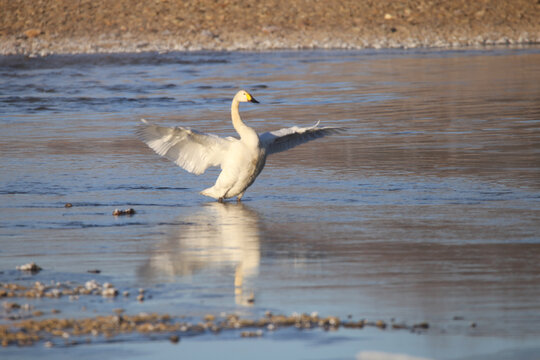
[244, 96]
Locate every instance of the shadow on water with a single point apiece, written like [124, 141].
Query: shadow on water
[216, 239]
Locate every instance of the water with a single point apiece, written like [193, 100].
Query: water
[427, 209]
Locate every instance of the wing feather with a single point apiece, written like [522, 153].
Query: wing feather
[192, 150]
[287, 138]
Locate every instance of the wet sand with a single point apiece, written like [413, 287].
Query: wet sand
[86, 26]
[28, 325]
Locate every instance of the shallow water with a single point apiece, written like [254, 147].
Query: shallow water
[425, 210]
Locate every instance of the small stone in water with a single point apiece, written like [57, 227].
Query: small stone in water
[422, 325]
[257, 333]
[380, 324]
[91, 285]
[119, 212]
[109, 292]
[174, 339]
[94, 271]
[32, 267]
[68, 205]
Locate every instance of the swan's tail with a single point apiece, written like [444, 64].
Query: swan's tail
[211, 192]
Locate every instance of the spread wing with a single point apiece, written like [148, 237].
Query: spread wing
[284, 139]
[192, 150]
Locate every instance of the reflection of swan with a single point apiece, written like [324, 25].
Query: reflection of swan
[218, 237]
[241, 160]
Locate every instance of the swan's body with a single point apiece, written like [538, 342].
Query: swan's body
[241, 160]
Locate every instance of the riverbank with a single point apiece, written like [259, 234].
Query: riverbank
[86, 26]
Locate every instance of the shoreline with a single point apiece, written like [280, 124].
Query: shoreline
[85, 27]
[131, 44]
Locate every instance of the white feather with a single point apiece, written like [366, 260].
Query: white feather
[287, 138]
[192, 150]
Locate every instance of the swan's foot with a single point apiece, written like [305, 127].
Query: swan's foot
[239, 198]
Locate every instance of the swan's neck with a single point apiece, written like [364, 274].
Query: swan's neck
[246, 133]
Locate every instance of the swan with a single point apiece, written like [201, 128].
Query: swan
[241, 160]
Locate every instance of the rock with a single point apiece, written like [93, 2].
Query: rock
[380, 324]
[257, 333]
[32, 33]
[109, 292]
[91, 285]
[121, 212]
[422, 325]
[32, 267]
[174, 339]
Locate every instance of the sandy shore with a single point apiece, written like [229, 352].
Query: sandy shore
[41, 27]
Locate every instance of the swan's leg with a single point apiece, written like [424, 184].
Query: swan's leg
[239, 197]
[220, 200]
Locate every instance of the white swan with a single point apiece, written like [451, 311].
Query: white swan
[241, 160]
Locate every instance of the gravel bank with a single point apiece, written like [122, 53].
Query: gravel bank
[41, 27]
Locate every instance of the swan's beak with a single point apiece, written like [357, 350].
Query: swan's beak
[251, 98]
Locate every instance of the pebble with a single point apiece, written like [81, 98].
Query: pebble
[32, 267]
[174, 339]
[121, 212]
[380, 324]
[422, 325]
[399, 326]
[109, 292]
[68, 205]
[76, 331]
[91, 285]
[32, 33]
[257, 333]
